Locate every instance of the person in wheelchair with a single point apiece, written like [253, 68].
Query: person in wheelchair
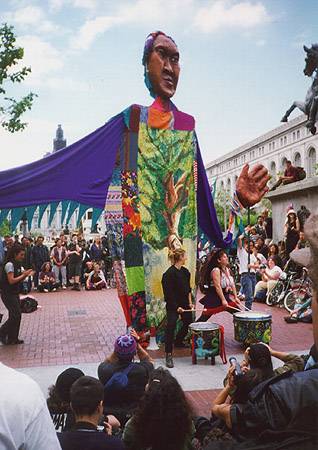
[270, 276]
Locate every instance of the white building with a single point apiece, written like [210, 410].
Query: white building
[291, 141]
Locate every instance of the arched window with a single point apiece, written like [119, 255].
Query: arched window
[228, 185]
[297, 159]
[283, 163]
[222, 185]
[312, 161]
[272, 168]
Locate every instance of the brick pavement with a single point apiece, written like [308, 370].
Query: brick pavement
[73, 328]
[76, 328]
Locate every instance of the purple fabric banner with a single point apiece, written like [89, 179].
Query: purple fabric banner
[207, 218]
[81, 172]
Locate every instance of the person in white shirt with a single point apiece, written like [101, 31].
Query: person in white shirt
[248, 264]
[25, 422]
[270, 276]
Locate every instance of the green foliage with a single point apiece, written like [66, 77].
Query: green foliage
[11, 110]
[166, 154]
[316, 169]
[5, 228]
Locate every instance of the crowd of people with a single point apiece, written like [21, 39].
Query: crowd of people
[133, 405]
[70, 261]
[257, 261]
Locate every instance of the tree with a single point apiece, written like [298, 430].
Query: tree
[5, 228]
[11, 110]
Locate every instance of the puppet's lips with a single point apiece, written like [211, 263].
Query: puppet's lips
[168, 81]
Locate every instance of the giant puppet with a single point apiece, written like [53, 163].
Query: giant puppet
[143, 171]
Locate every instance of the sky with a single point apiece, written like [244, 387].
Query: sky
[241, 66]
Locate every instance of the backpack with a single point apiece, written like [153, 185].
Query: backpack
[118, 380]
[28, 304]
[300, 173]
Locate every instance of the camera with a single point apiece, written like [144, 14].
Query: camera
[238, 371]
[262, 266]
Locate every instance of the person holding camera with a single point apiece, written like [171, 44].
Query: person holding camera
[12, 278]
[270, 276]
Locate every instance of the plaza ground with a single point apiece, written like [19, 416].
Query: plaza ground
[79, 328]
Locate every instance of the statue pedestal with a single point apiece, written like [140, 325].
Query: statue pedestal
[304, 192]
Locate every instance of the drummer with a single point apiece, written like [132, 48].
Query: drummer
[178, 298]
[219, 285]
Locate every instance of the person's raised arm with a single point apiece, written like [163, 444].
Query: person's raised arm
[141, 352]
[240, 241]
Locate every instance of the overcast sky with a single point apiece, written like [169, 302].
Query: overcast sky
[241, 65]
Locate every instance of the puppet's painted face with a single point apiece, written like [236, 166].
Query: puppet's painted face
[163, 67]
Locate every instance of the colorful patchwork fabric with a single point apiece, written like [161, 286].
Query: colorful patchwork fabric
[140, 170]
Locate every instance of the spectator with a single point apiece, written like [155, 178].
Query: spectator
[261, 246]
[7, 243]
[27, 262]
[290, 175]
[247, 269]
[96, 250]
[2, 256]
[75, 263]
[302, 312]
[47, 280]
[85, 257]
[252, 232]
[40, 255]
[260, 227]
[122, 400]
[88, 269]
[163, 419]
[59, 399]
[268, 223]
[291, 231]
[96, 279]
[87, 405]
[270, 276]
[12, 278]
[302, 243]
[25, 422]
[59, 258]
[256, 357]
[282, 252]
[259, 356]
[274, 251]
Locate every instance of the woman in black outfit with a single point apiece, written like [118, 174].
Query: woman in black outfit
[177, 295]
[291, 231]
[12, 278]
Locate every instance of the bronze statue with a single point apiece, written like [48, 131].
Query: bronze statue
[310, 105]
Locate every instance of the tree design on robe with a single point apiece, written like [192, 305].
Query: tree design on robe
[166, 186]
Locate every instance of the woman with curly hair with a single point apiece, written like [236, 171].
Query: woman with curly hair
[218, 286]
[163, 419]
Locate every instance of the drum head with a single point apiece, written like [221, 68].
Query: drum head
[203, 326]
[251, 315]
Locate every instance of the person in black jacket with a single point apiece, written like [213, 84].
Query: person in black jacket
[40, 255]
[87, 404]
[177, 295]
[12, 278]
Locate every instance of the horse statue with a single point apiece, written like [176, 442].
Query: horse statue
[310, 105]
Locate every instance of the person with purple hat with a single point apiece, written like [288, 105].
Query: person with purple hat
[124, 379]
